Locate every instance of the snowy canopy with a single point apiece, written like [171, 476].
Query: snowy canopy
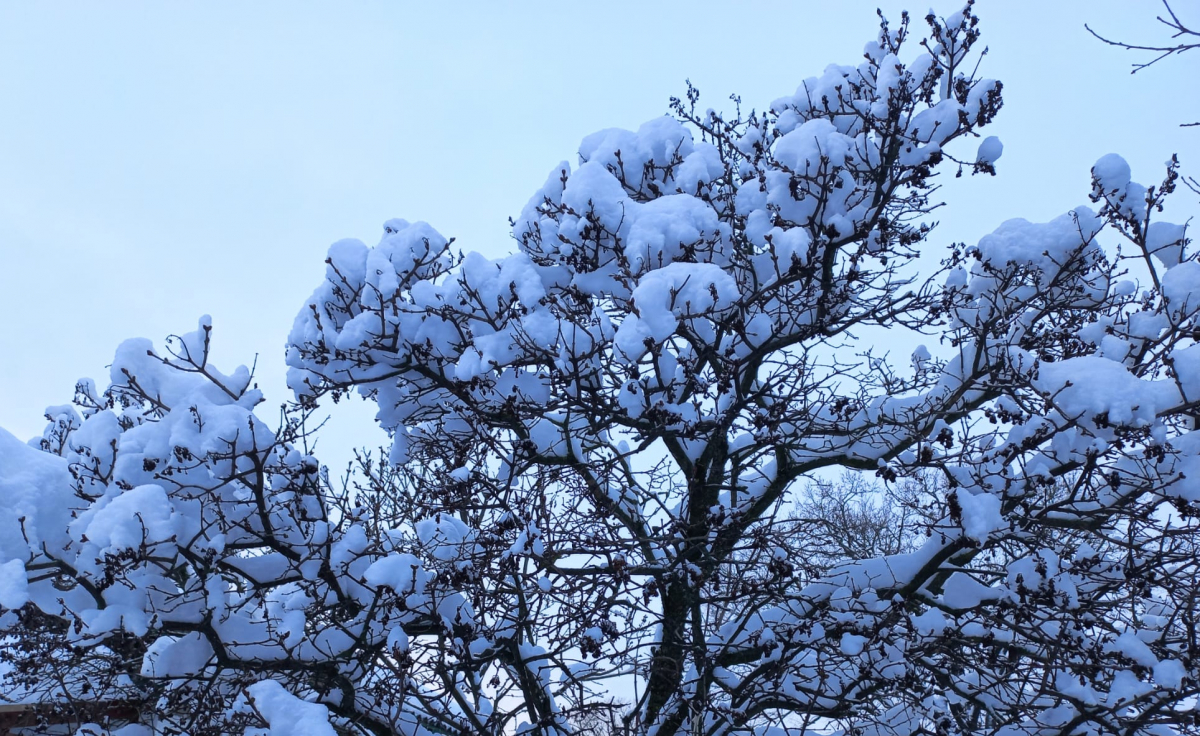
[588, 511]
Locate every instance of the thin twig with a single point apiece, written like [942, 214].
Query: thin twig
[1179, 31]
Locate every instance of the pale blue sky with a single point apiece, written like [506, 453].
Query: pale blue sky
[159, 161]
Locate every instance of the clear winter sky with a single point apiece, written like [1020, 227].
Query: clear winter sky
[164, 160]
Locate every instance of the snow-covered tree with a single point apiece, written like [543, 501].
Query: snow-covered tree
[595, 515]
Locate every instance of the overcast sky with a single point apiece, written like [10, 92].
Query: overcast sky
[160, 161]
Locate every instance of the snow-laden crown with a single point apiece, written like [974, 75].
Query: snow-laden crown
[596, 514]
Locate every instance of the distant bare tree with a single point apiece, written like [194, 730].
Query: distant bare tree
[851, 518]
